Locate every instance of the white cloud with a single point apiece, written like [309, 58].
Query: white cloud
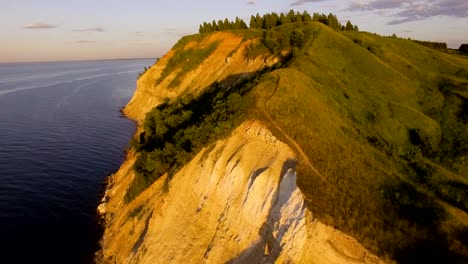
[38, 25]
[301, 2]
[405, 11]
[94, 29]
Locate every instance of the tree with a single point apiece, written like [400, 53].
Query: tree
[297, 38]
[463, 48]
[243, 25]
[333, 22]
[221, 25]
[237, 24]
[306, 16]
[298, 17]
[253, 22]
[283, 19]
[291, 16]
[316, 17]
[349, 26]
[259, 21]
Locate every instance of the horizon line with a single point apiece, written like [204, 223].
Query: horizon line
[75, 60]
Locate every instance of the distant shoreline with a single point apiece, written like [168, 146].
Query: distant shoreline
[68, 61]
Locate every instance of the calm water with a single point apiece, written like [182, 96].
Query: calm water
[60, 135]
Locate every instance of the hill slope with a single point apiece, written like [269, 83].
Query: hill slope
[378, 125]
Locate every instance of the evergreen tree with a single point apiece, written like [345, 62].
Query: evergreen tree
[220, 25]
[306, 16]
[259, 21]
[236, 23]
[275, 19]
[298, 17]
[243, 25]
[283, 19]
[349, 26]
[291, 16]
[253, 22]
[333, 22]
[316, 17]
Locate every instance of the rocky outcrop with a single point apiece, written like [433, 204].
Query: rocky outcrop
[235, 202]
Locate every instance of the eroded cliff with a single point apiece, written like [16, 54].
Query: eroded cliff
[235, 202]
[227, 64]
[376, 148]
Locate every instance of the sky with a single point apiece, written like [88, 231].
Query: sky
[56, 30]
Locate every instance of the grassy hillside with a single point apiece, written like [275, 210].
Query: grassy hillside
[384, 121]
[379, 125]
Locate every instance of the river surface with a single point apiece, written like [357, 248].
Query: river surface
[61, 134]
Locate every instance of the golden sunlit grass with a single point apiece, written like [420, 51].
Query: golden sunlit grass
[383, 122]
[355, 111]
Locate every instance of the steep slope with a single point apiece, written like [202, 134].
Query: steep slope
[224, 59]
[226, 207]
[375, 130]
[379, 133]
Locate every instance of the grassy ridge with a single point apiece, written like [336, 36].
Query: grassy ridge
[384, 120]
[375, 118]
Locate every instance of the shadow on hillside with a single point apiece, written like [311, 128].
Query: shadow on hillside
[435, 250]
[416, 207]
[426, 241]
[454, 193]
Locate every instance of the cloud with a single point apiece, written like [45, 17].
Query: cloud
[252, 2]
[84, 41]
[405, 11]
[38, 25]
[301, 2]
[95, 29]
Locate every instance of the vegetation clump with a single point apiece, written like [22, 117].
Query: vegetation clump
[271, 20]
[463, 48]
[175, 131]
[222, 25]
[432, 45]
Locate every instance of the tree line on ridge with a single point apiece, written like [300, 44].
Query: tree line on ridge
[271, 20]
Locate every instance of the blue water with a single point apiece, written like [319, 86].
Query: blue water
[61, 134]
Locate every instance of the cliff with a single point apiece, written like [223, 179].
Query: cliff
[228, 59]
[347, 146]
[225, 207]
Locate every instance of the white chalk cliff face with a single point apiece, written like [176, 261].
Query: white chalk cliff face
[235, 202]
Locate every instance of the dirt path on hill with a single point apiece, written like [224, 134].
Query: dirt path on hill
[290, 140]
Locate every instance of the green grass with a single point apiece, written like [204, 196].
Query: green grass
[384, 120]
[372, 115]
[185, 60]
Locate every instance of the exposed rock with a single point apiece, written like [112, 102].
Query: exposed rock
[227, 207]
[228, 59]
[102, 209]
